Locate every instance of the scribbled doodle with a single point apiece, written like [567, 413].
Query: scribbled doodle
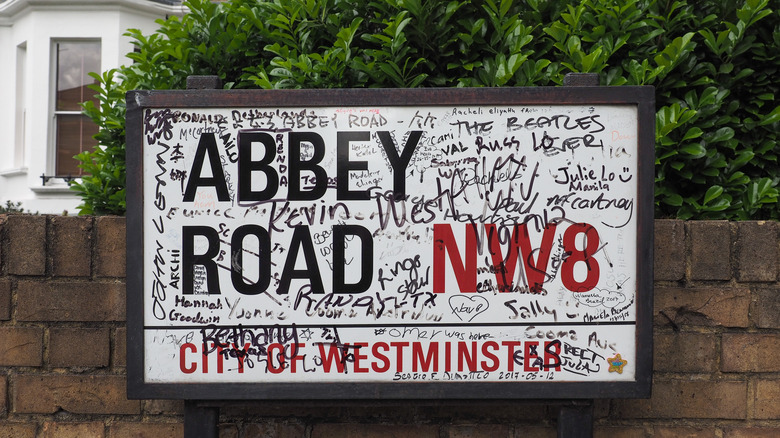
[475, 243]
[466, 308]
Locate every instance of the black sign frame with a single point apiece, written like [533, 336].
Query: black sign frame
[641, 97]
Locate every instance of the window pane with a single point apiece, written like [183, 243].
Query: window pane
[75, 60]
[74, 135]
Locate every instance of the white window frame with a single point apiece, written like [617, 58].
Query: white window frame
[20, 107]
[51, 162]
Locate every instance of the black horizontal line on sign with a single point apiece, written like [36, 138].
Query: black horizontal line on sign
[257, 326]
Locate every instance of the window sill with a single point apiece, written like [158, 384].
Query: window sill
[58, 189]
[14, 172]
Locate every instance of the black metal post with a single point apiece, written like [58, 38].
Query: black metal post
[203, 82]
[575, 420]
[200, 421]
[581, 80]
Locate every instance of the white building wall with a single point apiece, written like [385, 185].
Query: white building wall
[39, 25]
[7, 94]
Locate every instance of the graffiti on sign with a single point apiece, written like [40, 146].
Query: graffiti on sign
[390, 244]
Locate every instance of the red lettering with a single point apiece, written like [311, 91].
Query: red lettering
[241, 355]
[486, 347]
[399, 354]
[520, 246]
[296, 357]
[552, 358]
[425, 362]
[510, 348]
[220, 357]
[465, 272]
[584, 255]
[375, 351]
[333, 355]
[529, 354]
[204, 359]
[271, 351]
[182, 364]
[470, 358]
[447, 357]
[358, 357]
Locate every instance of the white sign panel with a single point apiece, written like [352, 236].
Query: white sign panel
[486, 243]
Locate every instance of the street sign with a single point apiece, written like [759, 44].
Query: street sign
[439, 243]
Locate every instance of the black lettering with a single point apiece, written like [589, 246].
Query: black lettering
[263, 260]
[366, 258]
[246, 166]
[190, 259]
[301, 239]
[294, 192]
[399, 163]
[207, 144]
[344, 165]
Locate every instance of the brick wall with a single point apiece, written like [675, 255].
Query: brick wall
[62, 348]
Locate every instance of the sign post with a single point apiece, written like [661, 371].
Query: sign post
[390, 244]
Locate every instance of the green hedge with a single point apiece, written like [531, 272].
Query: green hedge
[714, 64]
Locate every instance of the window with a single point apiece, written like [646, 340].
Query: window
[21, 110]
[73, 131]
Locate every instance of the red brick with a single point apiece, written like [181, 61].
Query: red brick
[475, 412]
[228, 431]
[111, 246]
[619, 432]
[26, 250]
[766, 401]
[5, 300]
[480, 431]
[3, 218]
[756, 251]
[146, 430]
[17, 430]
[163, 407]
[21, 346]
[351, 430]
[702, 306]
[73, 430]
[65, 301]
[684, 352]
[302, 409]
[688, 399]
[79, 347]
[684, 432]
[78, 394]
[710, 250]
[71, 245]
[3, 394]
[535, 432]
[119, 350]
[766, 307]
[274, 429]
[600, 408]
[751, 432]
[746, 352]
[669, 252]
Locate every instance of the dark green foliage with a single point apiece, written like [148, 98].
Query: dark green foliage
[102, 187]
[14, 208]
[714, 65]
[11, 207]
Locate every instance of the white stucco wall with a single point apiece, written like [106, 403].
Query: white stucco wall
[37, 24]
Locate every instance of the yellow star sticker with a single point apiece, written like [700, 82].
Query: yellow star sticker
[616, 364]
